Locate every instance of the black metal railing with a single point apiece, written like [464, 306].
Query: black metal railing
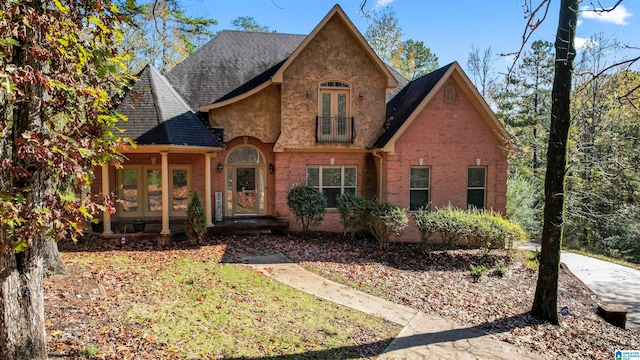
[335, 129]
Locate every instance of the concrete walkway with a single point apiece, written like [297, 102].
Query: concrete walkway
[613, 283]
[423, 337]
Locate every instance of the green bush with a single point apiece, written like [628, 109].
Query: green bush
[477, 271]
[354, 212]
[386, 220]
[195, 225]
[308, 205]
[473, 228]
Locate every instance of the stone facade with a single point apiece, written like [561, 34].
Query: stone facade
[334, 54]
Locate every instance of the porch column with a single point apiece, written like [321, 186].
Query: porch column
[207, 189]
[165, 194]
[106, 216]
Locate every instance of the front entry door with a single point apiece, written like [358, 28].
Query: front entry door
[245, 191]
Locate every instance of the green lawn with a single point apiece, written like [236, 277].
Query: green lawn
[211, 310]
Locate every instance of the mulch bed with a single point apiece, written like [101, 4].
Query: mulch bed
[439, 283]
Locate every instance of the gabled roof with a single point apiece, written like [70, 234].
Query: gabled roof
[158, 115]
[403, 108]
[232, 59]
[337, 11]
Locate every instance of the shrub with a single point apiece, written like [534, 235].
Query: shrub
[474, 228]
[196, 224]
[477, 271]
[532, 259]
[386, 220]
[354, 212]
[501, 268]
[308, 205]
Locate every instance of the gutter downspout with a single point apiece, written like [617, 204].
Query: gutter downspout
[379, 156]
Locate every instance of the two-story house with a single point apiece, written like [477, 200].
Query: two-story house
[321, 110]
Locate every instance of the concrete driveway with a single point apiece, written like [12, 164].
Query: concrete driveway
[613, 283]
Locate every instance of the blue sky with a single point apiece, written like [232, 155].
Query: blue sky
[449, 28]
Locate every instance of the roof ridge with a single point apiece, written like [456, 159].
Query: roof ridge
[258, 32]
[149, 69]
[157, 76]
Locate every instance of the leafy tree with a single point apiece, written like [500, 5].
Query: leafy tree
[383, 34]
[525, 105]
[59, 71]
[161, 34]
[248, 23]
[413, 59]
[479, 65]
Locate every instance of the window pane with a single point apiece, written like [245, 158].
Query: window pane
[326, 105]
[154, 190]
[350, 191]
[313, 176]
[419, 178]
[475, 198]
[326, 125]
[245, 155]
[349, 176]
[418, 199]
[342, 105]
[180, 190]
[332, 197]
[476, 177]
[130, 190]
[331, 177]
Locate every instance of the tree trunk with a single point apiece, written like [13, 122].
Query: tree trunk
[545, 303]
[53, 264]
[22, 332]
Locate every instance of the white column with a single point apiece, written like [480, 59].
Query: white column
[106, 216]
[207, 188]
[165, 194]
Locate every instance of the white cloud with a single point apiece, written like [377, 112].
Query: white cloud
[618, 16]
[382, 3]
[582, 43]
[579, 22]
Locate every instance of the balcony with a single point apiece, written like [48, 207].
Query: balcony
[335, 129]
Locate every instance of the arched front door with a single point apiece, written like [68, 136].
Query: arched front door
[246, 187]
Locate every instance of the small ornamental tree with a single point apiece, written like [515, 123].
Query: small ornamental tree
[196, 223]
[354, 212]
[308, 205]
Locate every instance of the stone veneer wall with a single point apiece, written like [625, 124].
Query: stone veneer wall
[334, 54]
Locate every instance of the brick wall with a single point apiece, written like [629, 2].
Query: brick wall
[291, 169]
[449, 137]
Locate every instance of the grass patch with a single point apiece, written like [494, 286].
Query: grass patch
[206, 310]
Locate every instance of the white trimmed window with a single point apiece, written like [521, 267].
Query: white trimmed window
[419, 185]
[332, 181]
[476, 187]
[140, 190]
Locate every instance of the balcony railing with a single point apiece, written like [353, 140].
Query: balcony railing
[335, 129]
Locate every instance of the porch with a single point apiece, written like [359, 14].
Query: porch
[153, 228]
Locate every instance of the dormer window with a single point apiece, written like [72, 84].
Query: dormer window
[334, 122]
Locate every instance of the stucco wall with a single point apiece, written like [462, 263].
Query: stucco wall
[449, 137]
[258, 115]
[333, 54]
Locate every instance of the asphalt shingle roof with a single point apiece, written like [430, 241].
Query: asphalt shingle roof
[230, 60]
[158, 115]
[403, 104]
